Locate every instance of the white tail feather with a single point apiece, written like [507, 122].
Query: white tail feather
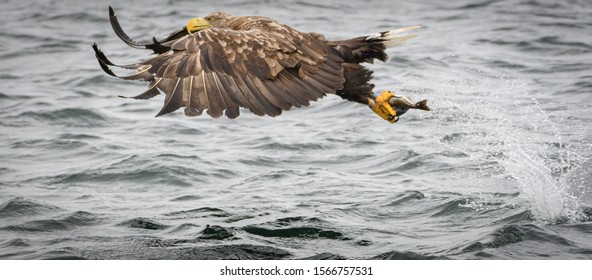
[392, 38]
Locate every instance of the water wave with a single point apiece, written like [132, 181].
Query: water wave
[20, 206]
[498, 170]
[76, 219]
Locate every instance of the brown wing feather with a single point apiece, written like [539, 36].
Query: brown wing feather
[267, 67]
[232, 108]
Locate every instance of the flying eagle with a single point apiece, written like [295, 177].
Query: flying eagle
[221, 62]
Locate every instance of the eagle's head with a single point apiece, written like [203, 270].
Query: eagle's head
[212, 19]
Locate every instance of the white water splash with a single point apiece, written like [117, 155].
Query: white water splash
[511, 143]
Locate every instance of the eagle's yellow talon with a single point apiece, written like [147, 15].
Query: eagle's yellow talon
[382, 108]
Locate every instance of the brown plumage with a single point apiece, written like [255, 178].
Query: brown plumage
[252, 62]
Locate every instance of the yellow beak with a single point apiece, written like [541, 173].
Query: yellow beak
[197, 24]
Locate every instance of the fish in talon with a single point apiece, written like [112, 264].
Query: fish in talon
[389, 106]
[401, 104]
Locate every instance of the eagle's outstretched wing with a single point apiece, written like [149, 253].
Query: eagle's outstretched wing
[267, 68]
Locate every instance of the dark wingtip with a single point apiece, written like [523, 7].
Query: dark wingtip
[103, 60]
[169, 108]
[151, 92]
[165, 110]
[96, 48]
[100, 55]
[162, 111]
[154, 46]
[119, 31]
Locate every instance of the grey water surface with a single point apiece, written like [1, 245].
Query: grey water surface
[500, 169]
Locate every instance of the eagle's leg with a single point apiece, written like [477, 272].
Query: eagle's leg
[357, 88]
